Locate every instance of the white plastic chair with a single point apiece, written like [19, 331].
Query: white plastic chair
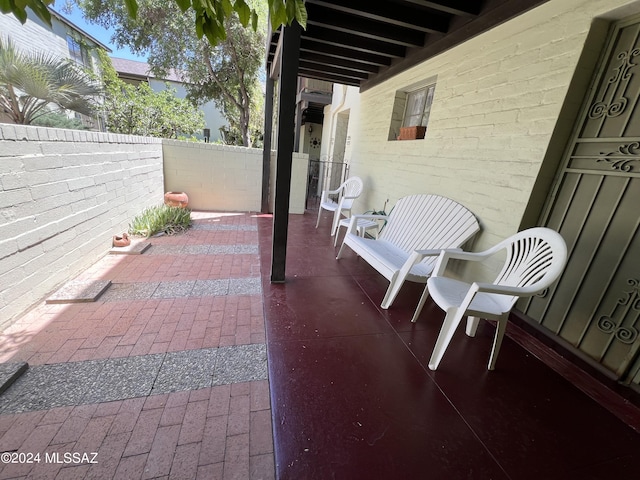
[347, 193]
[535, 258]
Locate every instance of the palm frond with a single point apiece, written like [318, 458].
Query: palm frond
[29, 82]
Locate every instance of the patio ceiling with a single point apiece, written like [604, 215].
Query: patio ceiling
[363, 43]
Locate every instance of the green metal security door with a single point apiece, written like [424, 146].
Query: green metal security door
[596, 206]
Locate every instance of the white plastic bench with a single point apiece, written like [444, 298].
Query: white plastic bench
[428, 223]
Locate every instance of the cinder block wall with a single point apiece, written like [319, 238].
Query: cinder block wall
[215, 177]
[227, 178]
[63, 195]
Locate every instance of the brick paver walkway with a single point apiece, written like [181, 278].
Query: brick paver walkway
[164, 376]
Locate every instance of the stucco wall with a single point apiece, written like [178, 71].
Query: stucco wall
[63, 195]
[497, 102]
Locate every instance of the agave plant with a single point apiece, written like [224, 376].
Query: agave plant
[161, 218]
[30, 82]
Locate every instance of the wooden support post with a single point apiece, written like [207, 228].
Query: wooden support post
[266, 151]
[284, 157]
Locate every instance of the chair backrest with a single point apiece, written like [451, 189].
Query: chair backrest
[429, 221]
[535, 259]
[350, 190]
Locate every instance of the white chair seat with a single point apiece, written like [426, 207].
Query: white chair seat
[448, 293]
[329, 205]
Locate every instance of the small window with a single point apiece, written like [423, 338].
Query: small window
[77, 52]
[412, 108]
[418, 107]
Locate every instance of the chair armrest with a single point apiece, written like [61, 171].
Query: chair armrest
[325, 194]
[505, 289]
[418, 255]
[457, 254]
[436, 251]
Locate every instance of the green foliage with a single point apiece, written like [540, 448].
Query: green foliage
[31, 82]
[19, 8]
[59, 120]
[209, 20]
[138, 110]
[161, 219]
[232, 136]
[227, 73]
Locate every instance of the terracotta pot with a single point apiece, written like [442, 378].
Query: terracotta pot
[176, 199]
[412, 133]
[121, 240]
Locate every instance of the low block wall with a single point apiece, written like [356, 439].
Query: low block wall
[215, 177]
[63, 195]
[227, 178]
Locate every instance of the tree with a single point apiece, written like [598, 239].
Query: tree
[138, 110]
[30, 83]
[209, 19]
[226, 73]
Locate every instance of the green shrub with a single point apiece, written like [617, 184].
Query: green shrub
[161, 219]
[58, 120]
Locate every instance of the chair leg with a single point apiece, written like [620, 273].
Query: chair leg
[335, 241]
[472, 326]
[336, 220]
[395, 284]
[423, 300]
[451, 322]
[501, 328]
[319, 214]
[398, 278]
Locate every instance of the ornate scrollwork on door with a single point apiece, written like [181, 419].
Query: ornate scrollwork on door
[628, 305]
[621, 73]
[622, 158]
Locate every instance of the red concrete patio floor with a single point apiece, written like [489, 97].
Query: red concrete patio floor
[194, 365]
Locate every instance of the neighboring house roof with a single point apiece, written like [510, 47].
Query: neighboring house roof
[78, 29]
[140, 70]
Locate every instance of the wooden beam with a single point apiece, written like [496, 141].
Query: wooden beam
[494, 13]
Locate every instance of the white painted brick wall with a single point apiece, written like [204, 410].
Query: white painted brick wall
[496, 105]
[63, 195]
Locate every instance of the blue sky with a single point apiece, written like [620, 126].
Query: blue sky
[98, 33]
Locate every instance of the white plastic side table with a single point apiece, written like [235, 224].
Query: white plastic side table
[362, 226]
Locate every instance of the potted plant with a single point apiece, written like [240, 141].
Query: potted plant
[412, 133]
